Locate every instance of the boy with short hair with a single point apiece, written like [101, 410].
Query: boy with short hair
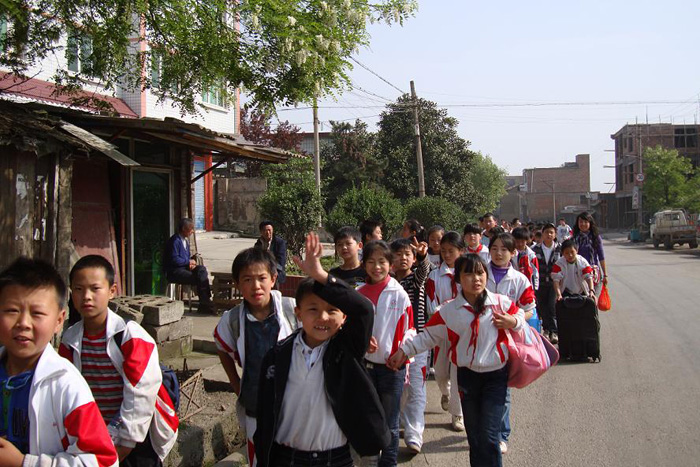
[316, 398]
[370, 230]
[246, 332]
[119, 361]
[547, 252]
[489, 222]
[472, 239]
[572, 274]
[564, 231]
[525, 259]
[52, 418]
[406, 254]
[347, 245]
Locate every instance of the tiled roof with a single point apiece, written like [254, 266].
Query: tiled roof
[45, 92]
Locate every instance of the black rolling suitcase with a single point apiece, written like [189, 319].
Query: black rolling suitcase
[579, 328]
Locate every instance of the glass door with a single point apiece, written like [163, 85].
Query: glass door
[151, 226]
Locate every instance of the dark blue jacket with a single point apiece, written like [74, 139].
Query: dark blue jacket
[176, 254]
[278, 248]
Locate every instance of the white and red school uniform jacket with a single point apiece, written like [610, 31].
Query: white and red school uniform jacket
[475, 343]
[65, 424]
[482, 251]
[515, 286]
[526, 262]
[440, 287]
[146, 407]
[223, 334]
[393, 317]
[582, 271]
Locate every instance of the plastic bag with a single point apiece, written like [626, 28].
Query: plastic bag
[604, 299]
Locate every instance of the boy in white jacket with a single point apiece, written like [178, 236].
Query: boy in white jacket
[52, 418]
[119, 361]
[571, 273]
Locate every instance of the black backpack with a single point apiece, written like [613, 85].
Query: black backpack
[169, 376]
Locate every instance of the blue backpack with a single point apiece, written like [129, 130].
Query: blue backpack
[169, 376]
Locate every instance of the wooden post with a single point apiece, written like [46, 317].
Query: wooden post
[419, 149]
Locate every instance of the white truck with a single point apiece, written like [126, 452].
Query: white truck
[671, 227]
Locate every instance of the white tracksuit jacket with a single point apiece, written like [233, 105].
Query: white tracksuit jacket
[146, 408]
[64, 419]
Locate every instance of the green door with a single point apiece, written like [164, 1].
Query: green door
[151, 228]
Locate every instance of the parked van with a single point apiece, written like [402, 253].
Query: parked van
[673, 227]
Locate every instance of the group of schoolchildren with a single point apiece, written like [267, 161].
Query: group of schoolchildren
[327, 377]
[99, 401]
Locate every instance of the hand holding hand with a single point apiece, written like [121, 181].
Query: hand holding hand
[10, 456]
[504, 321]
[311, 264]
[397, 360]
[373, 345]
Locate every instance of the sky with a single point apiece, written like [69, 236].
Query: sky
[487, 63]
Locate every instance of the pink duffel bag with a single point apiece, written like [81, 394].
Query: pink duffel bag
[529, 356]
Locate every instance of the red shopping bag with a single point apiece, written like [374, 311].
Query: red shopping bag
[604, 299]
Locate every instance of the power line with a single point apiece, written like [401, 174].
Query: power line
[376, 74]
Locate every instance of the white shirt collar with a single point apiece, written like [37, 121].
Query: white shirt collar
[311, 355]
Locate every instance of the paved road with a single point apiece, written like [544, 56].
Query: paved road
[639, 407]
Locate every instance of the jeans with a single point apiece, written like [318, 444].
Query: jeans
[389, 385]
[483, 403]
[546, 306]
[284, 456]
[142, 455]
[505, 423]
[197, 277]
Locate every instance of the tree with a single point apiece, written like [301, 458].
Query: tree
[280, 52]
[349, 161]
[358, 204]
[667, 175]
[431, 211]
[291, 201]
[256, 127]
[452, 171]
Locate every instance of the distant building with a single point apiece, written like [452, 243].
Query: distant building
[544, 194]
[630, 143]
[307, 141]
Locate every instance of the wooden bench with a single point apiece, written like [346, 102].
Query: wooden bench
[225, 293]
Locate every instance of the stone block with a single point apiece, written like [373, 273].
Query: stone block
[175, 348]
[162, 311]
[129, 314]
[172, 331]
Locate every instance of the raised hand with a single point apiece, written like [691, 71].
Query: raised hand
[311, 264]
[421, 248]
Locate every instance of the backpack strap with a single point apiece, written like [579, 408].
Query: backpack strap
[234, 322]
[288, 304]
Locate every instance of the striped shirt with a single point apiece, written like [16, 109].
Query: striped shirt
[105, 382]
[414, 285]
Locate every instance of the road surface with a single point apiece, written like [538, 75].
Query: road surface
[639, 407]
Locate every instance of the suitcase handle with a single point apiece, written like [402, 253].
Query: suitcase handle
[576, 301]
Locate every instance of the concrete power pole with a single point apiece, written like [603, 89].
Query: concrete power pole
[419, 149]
[317, 149]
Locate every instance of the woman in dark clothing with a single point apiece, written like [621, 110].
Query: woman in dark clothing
[590, 246]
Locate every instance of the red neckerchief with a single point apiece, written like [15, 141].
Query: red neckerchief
[476, 250]
[453, 284]
[474, 326]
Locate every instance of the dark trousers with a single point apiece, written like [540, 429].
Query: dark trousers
[546, 306]
[389, 385]
[142, 455]
[197, 277]
[283, 456]
[483, 402]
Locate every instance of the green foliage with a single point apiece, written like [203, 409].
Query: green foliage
[431, 210]
[291, 201]
[452, 171]
[280, 52]
[358, 204]
[349, 161]
[668, 182]
[328, 263]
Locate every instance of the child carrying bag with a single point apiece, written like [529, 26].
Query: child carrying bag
[604, 299]
[529, 356]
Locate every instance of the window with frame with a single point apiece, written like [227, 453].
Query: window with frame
[157, 73]
[78, 52]
[214, 95]
[685, 137]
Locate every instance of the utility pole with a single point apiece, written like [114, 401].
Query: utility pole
[640, 149]
[419, 149]
[317, 149]
[552, 184]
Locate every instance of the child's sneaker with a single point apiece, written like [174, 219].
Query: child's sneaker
[458, 423]
[503, 446]
[445, 402]
[414, 447]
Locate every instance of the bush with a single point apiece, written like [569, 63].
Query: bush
[358, 204]
[434, 210]
[291, 201]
